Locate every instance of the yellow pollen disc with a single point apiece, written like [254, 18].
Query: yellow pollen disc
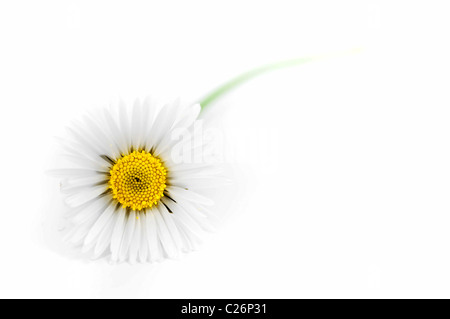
[138, 180]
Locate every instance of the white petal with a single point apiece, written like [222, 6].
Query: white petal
[81, 161]
[194, 168]
[79, 232]
[80, 151]
[143, 246]
[136, 119]
[85, 140]
[85, 196]
[77, 184]
[117, 235]
[104, 143]
[101, 222]
[168, 219]
[135, 242]
[152, 236]
[183, 217]
[115, 132]
[162, 125]
[74, 172]
[164, 235]
[95, 207]
[190, 229]
[104, 239]
[124, 124]
[198, 213]
[189, 115]
[197, 172]
[182, 125]
[127, 235]
[192, 240]
[148, 113]
[200, 183]
[189, 195]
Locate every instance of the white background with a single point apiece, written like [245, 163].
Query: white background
[341, 167]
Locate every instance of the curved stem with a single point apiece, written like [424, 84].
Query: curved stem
[228, 86]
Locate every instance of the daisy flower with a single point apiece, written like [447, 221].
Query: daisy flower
[130, 198]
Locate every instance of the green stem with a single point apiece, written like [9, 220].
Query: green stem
[228, 86]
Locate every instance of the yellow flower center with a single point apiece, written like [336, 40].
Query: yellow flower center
[138, 180]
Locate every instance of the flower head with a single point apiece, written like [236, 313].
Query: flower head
[128, 197]
[138, 180]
